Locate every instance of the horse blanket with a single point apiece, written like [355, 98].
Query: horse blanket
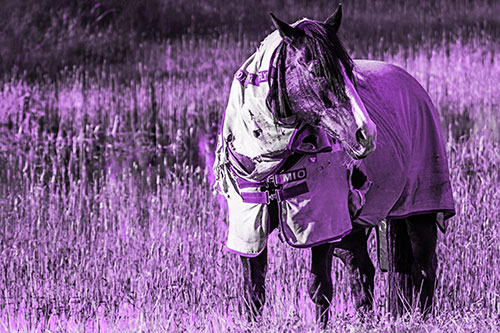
[253, 147]
[408, 168]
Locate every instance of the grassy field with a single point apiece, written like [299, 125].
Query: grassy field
[108, 222]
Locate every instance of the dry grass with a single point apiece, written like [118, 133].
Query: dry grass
[108, 224]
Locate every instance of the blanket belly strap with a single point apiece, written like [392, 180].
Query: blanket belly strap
[292, 192]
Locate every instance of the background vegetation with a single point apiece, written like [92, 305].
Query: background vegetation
[40, 38]
[108, 114]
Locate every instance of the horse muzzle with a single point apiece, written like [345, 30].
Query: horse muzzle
[365, 138]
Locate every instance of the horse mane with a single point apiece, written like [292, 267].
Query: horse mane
[318, 37]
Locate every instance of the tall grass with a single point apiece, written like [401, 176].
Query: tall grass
[108, 221]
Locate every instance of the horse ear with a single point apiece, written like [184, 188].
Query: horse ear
[287, 32]
[335, 19]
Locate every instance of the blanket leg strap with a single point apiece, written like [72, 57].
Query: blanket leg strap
[382, 248]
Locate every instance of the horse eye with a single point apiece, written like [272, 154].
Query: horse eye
[302, 60]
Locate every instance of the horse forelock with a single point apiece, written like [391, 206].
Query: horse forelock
[277, 99]
[324, 45]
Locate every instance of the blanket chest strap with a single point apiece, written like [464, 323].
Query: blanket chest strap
[281, 194]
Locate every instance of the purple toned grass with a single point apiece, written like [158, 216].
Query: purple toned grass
[108, 222]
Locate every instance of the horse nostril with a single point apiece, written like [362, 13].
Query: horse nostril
[361, 136]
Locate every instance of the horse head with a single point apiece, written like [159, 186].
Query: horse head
[315, 76]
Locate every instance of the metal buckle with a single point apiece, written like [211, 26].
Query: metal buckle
[271, 196]
[271, 189]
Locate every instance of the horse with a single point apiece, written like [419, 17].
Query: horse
[384, 123]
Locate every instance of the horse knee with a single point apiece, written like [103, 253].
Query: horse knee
[361, 276]
[255, 268]
[347, 257]
[358, 264]
[320, 289]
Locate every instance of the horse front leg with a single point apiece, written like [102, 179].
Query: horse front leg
[254, 284]
[353, 252]
[320, 281]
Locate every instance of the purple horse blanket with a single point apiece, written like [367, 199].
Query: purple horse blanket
[408, 168]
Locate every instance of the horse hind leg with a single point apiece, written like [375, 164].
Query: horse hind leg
[400, 259]
[353, 252]
[254, 284]
[413, 257]
[422, 232]
[320, 281]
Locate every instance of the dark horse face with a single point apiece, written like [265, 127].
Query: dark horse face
[317, 74]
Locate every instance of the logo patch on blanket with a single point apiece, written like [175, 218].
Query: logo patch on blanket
[290, 176]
